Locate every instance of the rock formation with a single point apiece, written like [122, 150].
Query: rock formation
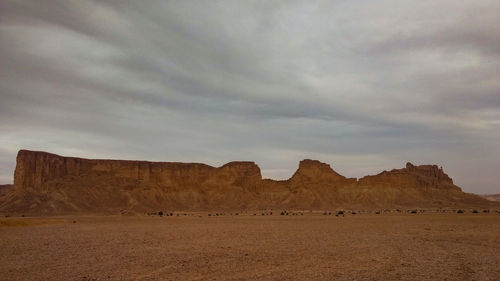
[46, 183]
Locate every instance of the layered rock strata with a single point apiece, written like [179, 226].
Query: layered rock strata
[46, 183]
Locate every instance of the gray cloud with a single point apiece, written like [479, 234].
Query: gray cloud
[363, 85]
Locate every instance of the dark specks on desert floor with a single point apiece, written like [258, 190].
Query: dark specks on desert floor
[428, 246]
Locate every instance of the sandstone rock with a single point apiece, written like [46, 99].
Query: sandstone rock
[411, 176]
[46, 183]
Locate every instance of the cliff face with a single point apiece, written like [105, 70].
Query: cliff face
[312, 171]
[48, 183]
[425, 176]
[37, 171]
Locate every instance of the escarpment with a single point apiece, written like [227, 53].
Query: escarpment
[46, 183]
[424, 176]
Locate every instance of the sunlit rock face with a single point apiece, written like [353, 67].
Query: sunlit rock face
[48, 183]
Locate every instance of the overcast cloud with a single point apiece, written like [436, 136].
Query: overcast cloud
[362, 85]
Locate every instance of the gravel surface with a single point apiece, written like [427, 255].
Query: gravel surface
[199, 247]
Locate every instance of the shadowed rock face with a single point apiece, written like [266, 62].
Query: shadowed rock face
[46, 183]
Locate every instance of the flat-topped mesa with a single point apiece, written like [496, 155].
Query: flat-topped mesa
[46, 183]
[241, 173]
[315, 171]
[411, 176]
[36, 169]
[32, 167]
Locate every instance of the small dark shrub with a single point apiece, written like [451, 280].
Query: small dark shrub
[460, 211]
[475, 211]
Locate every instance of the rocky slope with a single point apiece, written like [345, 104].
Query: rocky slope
[46, 183]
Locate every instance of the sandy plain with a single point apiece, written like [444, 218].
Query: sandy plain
[246, 247]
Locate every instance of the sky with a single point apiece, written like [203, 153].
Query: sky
[364, 86]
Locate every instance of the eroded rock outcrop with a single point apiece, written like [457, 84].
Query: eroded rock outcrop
[424, 176]
[49, 183]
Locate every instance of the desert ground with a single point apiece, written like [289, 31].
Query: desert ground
[313, 246]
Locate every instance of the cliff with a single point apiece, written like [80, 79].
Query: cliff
[46, 183]
[40, 170]
[411, 176]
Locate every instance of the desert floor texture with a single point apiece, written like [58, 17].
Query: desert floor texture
[247, 247]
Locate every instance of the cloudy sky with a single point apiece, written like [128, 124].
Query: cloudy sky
[362, 85]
